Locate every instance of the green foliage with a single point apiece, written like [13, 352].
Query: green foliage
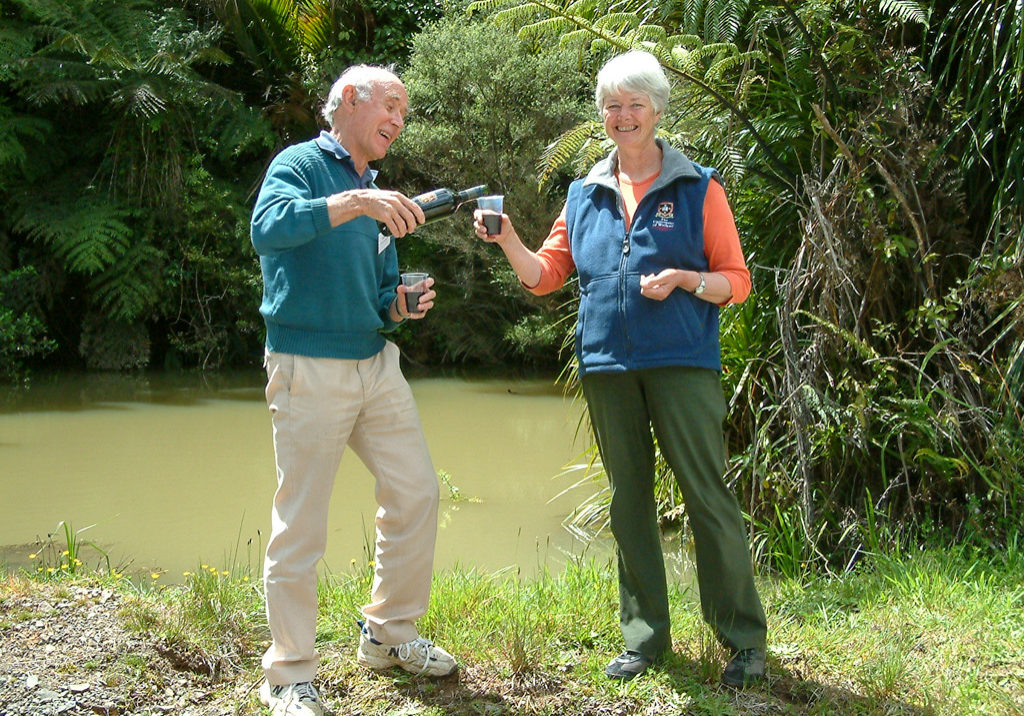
[295, 50]
[99, 202]
[89, 235]
[481, 105]
[214, 277]
[880, 353]
[904, 10]
[60, 562]
[22, 333]
[949, 617]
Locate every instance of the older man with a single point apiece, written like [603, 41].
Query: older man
[330, 292]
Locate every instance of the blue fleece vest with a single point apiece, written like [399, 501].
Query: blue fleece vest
[618, 329]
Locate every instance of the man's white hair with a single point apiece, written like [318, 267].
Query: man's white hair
[363, 78]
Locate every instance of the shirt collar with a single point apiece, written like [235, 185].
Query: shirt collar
[330, 144]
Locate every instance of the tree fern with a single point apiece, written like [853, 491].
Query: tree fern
[618, 22]
[88, 234]
[647, 35]
[14, 132]
[730, 63]
[577, 40]
[548, 26]
[516, 15]
[563, 150]
[128, 288]
[904, 10]
[688, 61]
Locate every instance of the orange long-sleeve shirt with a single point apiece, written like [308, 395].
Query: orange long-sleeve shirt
[721, 242]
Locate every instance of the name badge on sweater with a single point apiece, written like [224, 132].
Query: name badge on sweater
[383, 241]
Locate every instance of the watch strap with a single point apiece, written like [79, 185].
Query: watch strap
[700, 286]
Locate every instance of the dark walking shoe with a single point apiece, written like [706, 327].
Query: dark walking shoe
[627, 665]
[745, 668]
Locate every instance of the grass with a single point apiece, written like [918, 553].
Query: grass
[933, 632]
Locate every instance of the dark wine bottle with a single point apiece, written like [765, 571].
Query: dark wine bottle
[442, 202]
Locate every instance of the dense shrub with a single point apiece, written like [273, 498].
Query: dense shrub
[483, 104]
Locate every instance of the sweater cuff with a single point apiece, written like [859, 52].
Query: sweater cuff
[321, 218]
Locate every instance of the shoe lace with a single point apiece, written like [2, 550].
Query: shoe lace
[422, 648]
[304, 691]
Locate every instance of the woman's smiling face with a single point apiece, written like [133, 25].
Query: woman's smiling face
[629, 119]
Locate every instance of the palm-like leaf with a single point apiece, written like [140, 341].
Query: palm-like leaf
[904, 10]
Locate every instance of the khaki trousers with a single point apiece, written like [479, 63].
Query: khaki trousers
[318, 406]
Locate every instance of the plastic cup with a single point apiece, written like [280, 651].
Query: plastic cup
[492, 208]
[414, 281]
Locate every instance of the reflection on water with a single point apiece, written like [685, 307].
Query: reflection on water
[175, 471]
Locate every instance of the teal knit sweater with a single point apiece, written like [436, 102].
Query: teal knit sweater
[326, 291]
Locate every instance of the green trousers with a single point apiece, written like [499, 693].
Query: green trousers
[685, 407]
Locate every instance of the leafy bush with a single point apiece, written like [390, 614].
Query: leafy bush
[875, 374]
[22, 334]
[482, 105]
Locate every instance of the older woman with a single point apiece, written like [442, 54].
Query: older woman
[654, 242]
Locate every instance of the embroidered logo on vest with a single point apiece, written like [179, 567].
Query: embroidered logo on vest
[664, 219]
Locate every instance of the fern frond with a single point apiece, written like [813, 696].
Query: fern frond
[162, 63]
[488, 6]
[904, 10]
[69, 92]
[603, 45]
[88, 234]
[714, 50]
[616, 22]
[717, 71]
[210, 55]
[72, 43]
[516, 16]
[648, 33]
[593, 149]
[576, 40]
[661, 51]
[110, 57]
[140, 100]
[565, 148]
[128, 289]
[684, 41]
[12, 129]
[723, 18]
[548, 26]
[313, 24]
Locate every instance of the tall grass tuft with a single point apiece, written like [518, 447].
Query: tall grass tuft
[57, 561]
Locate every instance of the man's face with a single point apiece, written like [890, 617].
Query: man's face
[377, 122]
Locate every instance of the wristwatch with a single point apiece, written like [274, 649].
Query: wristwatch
[700, 286]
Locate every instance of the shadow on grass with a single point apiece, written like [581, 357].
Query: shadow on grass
[783, 691]
[679, 685]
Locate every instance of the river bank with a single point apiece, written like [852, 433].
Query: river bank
[936, 632]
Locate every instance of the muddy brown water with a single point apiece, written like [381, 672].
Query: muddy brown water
[169, 472]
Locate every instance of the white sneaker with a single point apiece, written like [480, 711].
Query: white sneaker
[292, 699]
[419, 656]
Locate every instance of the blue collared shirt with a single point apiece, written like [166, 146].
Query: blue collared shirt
[329, 143]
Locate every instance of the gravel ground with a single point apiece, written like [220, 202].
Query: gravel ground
[65, 650]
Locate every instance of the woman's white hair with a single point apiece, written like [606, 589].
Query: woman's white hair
[635, 71]
[362, 78]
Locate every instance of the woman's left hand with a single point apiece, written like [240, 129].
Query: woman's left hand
[658, 286]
